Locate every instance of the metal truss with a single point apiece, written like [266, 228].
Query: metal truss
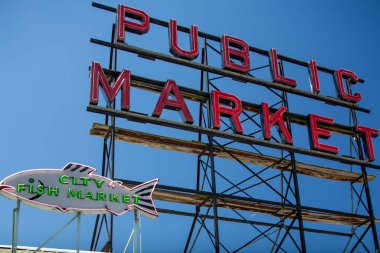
[287, 233]
[361, 201]
[207, 174]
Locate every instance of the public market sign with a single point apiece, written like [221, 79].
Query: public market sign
[235, 57]
[76, 188]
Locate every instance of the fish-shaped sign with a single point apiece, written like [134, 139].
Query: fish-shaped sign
[76, 188]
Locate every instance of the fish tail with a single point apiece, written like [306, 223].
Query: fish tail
[145, 202]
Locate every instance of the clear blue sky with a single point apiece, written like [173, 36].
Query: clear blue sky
[44, 58]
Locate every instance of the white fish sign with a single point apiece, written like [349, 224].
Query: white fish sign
[76, 188]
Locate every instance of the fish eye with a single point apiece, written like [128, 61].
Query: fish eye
[31, 180]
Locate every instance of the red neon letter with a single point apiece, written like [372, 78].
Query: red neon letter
[314, 79]
[232, 111]
[177, 104]
[315, 132]
[275, 72]
[367, 134]
[268, 121]
[122, 82]
[124, 25]
[241, 54]
[338, 77]
[175, 49]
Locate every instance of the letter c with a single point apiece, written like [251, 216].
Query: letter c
[62, 179]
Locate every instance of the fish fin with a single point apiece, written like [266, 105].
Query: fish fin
[62, 209]
[145, 203]
[79, 168]
[118, 182]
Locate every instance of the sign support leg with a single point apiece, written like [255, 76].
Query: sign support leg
[78, 232]
[136, 232]
[16, 215]
[129, 240]
[56, 233]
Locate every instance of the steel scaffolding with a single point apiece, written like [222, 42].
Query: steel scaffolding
[209, 199]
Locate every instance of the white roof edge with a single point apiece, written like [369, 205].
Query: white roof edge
[47, 249]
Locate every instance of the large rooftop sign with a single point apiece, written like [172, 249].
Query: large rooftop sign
[262, 134]
[76, 188]
[235, 61]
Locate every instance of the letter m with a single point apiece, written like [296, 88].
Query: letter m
[74, 194]
[122, 82]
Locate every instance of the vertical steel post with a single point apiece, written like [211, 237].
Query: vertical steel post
[199, 157]
[113, 125]
[211, 155]
[16, 216]
[294, 172]
[108, 157]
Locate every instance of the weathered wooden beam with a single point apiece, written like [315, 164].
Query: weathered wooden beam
[195, 147]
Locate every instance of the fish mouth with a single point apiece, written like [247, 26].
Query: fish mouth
[6, 187]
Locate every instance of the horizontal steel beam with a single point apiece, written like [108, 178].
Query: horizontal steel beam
[202, 97]
[276, 209]
[201, 148]
[217, 39]
[231, 136]
[252, 222]
[236, 76]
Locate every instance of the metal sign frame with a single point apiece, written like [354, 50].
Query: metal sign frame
[206, 198]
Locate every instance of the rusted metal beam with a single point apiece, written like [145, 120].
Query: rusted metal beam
[195, 147]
